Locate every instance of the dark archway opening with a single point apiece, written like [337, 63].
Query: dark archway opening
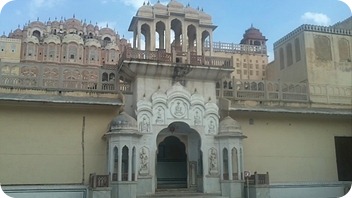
[171, 164]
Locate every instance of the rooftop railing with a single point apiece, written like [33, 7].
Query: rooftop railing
[236, 48]
[176, 57]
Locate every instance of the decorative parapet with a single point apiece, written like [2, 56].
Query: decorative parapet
[330, 94]
[271, 91]
[314, 28]
[58, 77]
[262, 91]
[236, 48]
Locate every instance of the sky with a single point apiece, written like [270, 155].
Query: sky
[274, 18]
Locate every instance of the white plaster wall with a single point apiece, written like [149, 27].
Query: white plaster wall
[41, 143]
[292, 147]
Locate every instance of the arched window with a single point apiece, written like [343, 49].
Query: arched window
[297, 50]
[230, 85]
[322, 47]
[217, 85]
[235, 165]
[124, 165]
[344, 50]
[134, 164]
[72, 51]
[240, 162]
[111, 77]
[145, 30]
[205, 41]
[192, 38]
[105, 77]
[36, 33]
[225, 84]
[261, 86]
[106, 40]
[116, 165]
[160, 30]
[289, 54]
[93, 54]
[256, 43]
[176, 26]
[254, 86]
[225, 164]
[282, 59]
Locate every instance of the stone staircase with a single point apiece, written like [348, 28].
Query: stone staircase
[167, 193]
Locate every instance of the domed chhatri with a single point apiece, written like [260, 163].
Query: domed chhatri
[123, 121]
[229, 125]
[253, 36]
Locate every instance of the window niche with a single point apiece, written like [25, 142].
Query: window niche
[322, 46]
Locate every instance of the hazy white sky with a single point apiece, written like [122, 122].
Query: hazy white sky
[275, 18]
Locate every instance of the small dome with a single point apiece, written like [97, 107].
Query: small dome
[122, 122]
[229, 125]
[37, 24]
[107, 31]
[146, 10]
[205, 18]
[174, 4]
[73, 24]
[175, 7]
[160, 8]
[16, 34]
[55, 24]
[90, 27]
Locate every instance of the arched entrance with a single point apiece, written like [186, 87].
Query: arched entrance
[171, 164]
[178, 158]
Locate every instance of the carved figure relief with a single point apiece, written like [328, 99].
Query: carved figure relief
[144, 125]
[213, 162]
[159, 116]
[197, 120]
[211, 127]
[144, 161]
[178, 109]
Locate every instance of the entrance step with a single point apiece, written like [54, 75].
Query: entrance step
[167, 193]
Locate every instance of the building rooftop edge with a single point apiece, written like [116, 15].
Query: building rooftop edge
[59, 99]
[297, 111]
[313, 28]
